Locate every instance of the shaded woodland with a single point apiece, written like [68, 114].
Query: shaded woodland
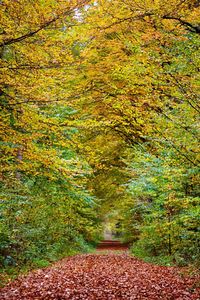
[99, 121]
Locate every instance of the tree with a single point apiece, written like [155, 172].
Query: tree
[138, 75]
[43, 180]
[140, 80]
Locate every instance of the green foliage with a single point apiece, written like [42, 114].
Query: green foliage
[141, 250]
[44, 220]
[162, 219]
[99, 119]
[46, 211]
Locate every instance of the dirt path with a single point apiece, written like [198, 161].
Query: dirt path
[102, 277]
[112, 245]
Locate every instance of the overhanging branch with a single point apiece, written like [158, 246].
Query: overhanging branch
[191, 27]
[43, 26]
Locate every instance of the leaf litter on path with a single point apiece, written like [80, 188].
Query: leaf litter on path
[103, 277]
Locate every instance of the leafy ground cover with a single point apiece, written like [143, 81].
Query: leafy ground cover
[111, 276]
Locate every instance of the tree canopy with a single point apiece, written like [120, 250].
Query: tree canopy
[99, 118]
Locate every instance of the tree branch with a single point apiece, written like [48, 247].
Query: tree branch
[131, 18]
[43, 26]
[191, 27]
[37, 67]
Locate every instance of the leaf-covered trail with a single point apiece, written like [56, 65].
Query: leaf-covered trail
[102, 277]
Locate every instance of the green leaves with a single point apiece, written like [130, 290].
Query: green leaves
[163, 214]
[99, 108]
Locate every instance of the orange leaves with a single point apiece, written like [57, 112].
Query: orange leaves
[101, 277]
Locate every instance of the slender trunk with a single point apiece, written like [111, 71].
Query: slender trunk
[19, 159]
[169, 236]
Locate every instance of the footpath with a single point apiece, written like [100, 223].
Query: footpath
[110, 273]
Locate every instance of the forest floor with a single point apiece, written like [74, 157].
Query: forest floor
[105, 275]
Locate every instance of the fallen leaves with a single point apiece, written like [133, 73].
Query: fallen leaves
[102, 277]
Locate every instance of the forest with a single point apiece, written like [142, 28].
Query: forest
[99, 123]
